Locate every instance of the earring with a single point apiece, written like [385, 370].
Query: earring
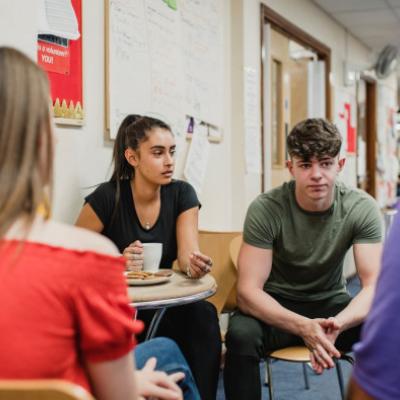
[44, 208]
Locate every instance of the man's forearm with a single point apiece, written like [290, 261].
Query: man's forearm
[264, 307]
[356, 311]
[259, 304]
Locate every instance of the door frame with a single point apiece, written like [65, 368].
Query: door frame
[371, 133]
[293, 32]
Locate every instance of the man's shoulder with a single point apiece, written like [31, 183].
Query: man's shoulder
[275, 198]
[351, 196]
[362, 211]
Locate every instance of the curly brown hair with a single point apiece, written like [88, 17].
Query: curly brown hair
[314, 137]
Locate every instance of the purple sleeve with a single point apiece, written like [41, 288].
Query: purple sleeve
[378, 353]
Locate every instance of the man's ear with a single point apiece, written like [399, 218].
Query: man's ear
[341, 163]
[289, 166]
[131, 157]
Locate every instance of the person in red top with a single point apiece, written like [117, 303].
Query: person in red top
[64, 309]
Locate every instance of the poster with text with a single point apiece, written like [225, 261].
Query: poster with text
[60, 55]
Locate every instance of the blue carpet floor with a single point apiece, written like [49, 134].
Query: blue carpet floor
[288, 377]
[289, 383]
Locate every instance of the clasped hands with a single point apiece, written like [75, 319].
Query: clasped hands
[319, 335]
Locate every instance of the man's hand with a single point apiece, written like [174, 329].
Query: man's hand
[134, 256]
[322, 349]
[332, 330]
[156, 384]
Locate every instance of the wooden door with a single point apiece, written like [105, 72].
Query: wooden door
[298, 90]
[366, 136]
[280, 105]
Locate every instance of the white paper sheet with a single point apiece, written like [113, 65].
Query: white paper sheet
[57, 17]
[197, 158]
[251, 121]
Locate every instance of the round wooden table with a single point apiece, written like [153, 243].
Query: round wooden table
[179, 290]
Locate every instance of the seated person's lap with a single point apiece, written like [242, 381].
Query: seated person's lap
[251, 337]
[169, 357]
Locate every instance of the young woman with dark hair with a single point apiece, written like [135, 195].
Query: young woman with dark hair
[142, 203]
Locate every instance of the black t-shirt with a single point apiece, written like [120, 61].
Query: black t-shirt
[124, 227]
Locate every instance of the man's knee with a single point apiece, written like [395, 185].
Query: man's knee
[245, 336]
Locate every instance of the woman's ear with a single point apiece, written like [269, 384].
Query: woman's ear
[131, 157]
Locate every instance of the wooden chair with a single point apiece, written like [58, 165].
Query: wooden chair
[216, 245]
[297, 354]
[46, 389]
[234, 248]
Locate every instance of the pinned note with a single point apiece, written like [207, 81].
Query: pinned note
[197, 158]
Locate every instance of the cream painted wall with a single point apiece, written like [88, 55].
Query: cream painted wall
[18, 25]
[82, 157]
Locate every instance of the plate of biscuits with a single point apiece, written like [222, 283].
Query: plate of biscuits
[144, 278]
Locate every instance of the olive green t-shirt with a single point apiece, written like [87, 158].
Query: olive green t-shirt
[309, 247]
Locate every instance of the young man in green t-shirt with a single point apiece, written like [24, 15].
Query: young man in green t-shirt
[291, 289]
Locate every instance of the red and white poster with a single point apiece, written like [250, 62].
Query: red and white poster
[60, 55]
[345, 120]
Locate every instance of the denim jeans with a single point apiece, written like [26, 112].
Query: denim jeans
[194, 328]
[170, 360]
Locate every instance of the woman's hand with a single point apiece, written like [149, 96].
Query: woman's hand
[134, 256]
[199, 265]
[156, 384]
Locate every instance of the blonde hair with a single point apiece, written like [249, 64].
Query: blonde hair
[25, 138]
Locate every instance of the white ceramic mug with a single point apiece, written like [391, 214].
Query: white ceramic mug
[152, 253]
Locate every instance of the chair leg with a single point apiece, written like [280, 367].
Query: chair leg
[348, 358]
[266, 375]
[306, 382]
[340, 378]
[269, 372]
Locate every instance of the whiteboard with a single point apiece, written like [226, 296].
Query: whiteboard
[164, 59]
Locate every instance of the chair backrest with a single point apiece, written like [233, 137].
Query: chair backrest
[216, 245]
[234, 248]
[46, 389]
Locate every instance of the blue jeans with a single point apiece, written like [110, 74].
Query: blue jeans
[170, 360]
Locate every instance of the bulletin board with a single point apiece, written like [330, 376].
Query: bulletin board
[164, 58]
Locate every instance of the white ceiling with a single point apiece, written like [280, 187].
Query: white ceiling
[375, 22]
